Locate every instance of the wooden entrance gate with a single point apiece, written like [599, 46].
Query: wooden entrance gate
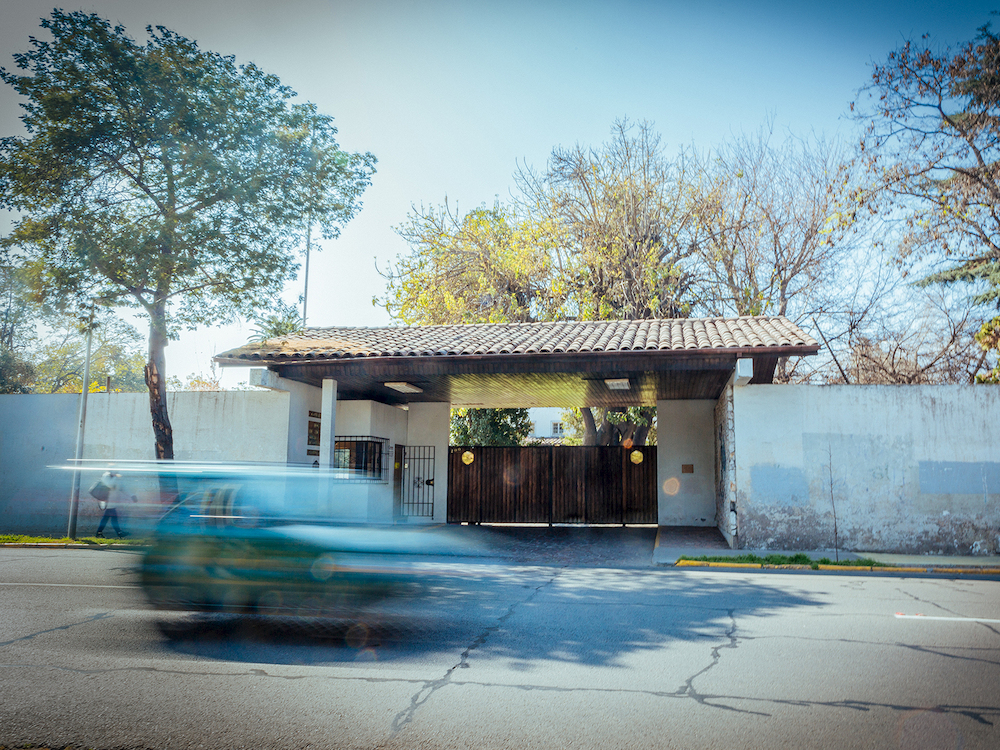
[552, 484]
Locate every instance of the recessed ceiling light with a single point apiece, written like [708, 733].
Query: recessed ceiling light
[617, 384]
[404, 387]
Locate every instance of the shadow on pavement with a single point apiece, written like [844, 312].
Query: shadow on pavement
[528, 614]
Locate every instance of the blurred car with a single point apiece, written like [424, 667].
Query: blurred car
[262, 541]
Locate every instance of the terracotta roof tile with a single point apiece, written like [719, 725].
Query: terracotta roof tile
[528, 338]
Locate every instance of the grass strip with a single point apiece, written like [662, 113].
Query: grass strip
[28, 539]
[797, 559]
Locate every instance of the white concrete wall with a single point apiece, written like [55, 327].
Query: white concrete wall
[207, 426]
[685, 435]
[907, 468]
[303, 398]
[429, 424]
[373, 419]
[37, 431]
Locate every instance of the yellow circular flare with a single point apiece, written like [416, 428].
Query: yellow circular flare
[627, 443]
[672, 486]
[468, 458]
[635, 457]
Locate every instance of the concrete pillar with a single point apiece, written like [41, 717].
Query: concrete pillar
[328, 423]
[685, 462]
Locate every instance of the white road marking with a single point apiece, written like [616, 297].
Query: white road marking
[69, 585]
[901, 616]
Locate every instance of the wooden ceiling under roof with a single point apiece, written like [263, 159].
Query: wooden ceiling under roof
[531, 364]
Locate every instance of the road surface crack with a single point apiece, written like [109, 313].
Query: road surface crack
[688, 690]
[101, 616]
[428, 689]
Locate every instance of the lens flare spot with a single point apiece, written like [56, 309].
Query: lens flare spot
[357, 636]
[672, 486]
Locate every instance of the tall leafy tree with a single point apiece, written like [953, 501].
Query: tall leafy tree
[164, 177]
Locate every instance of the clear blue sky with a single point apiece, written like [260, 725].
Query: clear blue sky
[450, 95]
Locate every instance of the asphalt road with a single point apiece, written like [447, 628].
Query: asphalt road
[506, 655]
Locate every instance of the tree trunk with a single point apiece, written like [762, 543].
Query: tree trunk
[589, 428]
[157, 384]
[614, 433]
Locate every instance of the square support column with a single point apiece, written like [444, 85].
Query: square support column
[328, 423]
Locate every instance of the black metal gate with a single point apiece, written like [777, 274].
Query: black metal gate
[418, 481]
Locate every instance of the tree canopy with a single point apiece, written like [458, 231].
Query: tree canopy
[489, 426]
[164, 177]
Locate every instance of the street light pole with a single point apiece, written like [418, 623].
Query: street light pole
[74, 496]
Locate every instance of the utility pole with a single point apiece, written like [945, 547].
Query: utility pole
[74, 495]
[305, 290]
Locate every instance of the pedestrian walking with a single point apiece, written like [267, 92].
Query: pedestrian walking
[110, 497]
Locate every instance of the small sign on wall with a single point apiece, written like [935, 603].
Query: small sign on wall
[687, 468]
[313, 433]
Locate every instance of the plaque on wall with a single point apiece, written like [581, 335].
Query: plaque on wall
[313, 433]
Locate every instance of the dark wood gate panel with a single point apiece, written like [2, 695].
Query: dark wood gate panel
[551, 484]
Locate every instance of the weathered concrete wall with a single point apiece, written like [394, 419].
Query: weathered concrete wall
[725, 464]
[905, 468]
[429, 424]
[685, 437]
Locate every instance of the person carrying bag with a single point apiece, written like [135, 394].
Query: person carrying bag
[109, 495]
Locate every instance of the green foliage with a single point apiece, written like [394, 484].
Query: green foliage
[16, 375]
[489, 426]
[115, 354]
[17, 333]
[489, 266]
[163, 177]
[988, 338]
[285, 320]
[28, 539]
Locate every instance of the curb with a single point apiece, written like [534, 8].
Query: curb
[841, 568]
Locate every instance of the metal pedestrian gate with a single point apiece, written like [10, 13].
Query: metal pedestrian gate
[552, 484]
[417, 481]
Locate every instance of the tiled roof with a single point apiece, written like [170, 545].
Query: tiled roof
[687, 334]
